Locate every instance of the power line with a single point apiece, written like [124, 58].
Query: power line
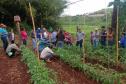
[74, 2]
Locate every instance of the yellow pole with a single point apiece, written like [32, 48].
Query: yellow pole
[33, 23]
[117, 44]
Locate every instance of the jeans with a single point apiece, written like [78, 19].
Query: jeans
[79, 43]
[95, 43]
[60, 44]
[34, 43]
[5, 42]
[103, 42]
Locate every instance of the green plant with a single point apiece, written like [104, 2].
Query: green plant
[96, 72]
[39, 73]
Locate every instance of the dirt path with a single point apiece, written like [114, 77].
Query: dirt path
[67, 74]
[118, 68]
[12, 70]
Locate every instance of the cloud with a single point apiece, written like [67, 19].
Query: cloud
[85, 6]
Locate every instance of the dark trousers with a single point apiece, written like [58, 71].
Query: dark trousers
[13, 52]
[5, 42]
[54, 43]
[24, 42]
[103, 42]
[79, 43]
[110, 42]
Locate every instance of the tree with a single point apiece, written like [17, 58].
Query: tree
[122, 15]
[44, 11]
[114, 14]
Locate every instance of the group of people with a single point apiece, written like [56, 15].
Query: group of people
[104, 37]
[57, 38]
[44, 41]
[8, 40]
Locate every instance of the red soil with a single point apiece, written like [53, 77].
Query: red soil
[67, 74]
[12, 70]
[118, 68]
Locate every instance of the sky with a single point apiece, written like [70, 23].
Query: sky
[85, 6]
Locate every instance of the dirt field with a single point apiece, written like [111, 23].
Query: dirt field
[12, 70]
[68, 75]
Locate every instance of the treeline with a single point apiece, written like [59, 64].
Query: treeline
[45, 11]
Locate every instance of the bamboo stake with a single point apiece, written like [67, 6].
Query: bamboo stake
[84, 54]
[18, 27]
[117, 45]
[33, 23]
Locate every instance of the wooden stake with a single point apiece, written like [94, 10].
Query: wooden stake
[84, 54]
[117, 44]
[18, 27]
[33, 23]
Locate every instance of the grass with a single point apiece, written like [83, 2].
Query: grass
[85, 28]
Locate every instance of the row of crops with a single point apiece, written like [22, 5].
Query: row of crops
[39, 73]
[72, 56]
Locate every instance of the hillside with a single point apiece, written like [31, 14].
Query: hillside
[96, 18]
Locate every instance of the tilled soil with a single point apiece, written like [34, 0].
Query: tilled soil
[67, 75]
[118, 68]
[12, 70]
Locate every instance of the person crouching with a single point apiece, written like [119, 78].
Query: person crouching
[47, 54]
[12, 49]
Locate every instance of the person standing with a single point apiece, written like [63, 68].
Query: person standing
[53, 37]
[80, 37]
[11, 36]
[38, 33]
[103, 36]
[123, 40]
[24, 36]
[4, 35]
[60, 39]
[91, 38]
[110, 37]
[96, 38]
[33, 41]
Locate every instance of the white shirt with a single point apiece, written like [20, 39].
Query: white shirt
[45, 52]
[80, 36]
[12, 46]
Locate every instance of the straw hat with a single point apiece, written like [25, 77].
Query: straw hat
[2, 25]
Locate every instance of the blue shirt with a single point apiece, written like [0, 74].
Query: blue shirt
[3, 32]
[123, 41]
[38, 31]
